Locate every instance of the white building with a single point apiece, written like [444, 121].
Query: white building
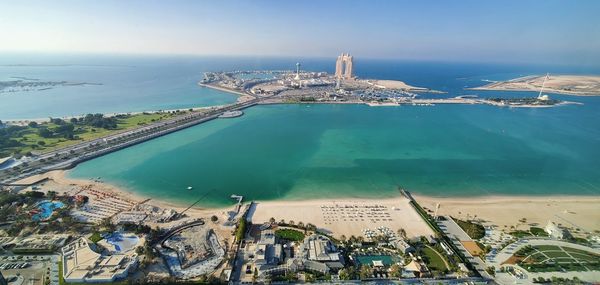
[554, 231]
[320, 248]
[266, 251]
[82, 264]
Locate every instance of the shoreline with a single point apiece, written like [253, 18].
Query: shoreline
[241, 97]
[555, 92]
[561, 84]
[503, 211]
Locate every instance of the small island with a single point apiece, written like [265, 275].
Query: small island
[579, 85]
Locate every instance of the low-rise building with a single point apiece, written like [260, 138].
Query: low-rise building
[82, 264]
[320, 248]
[402, 245]
[555, 231]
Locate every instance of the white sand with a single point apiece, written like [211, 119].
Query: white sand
[582, 85]
[571, 211]
[395, 84]
[342, 216]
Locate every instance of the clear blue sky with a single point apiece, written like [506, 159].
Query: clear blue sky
[517, 31]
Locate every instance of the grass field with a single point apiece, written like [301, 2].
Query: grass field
[96, 237]
[551, 258]
[289, 234]
[474, 230]
[434, 261]
[31, 141]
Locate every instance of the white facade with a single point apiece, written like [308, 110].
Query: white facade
[554, 231]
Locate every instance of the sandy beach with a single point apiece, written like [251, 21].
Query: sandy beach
[347, 217]
[60, 183]
[578, 85]
[350, 216]
[505, 211]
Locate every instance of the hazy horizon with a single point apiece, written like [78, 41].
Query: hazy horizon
[550, 32]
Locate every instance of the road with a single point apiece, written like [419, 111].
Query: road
[456, 234]
[70, 156]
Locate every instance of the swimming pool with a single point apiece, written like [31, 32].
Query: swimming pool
[387, 260]
[121, 242]
[46, 209]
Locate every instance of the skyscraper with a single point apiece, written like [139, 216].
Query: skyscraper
[343, 66]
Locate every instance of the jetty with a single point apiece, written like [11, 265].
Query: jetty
[239, 202]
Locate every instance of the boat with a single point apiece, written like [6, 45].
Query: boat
[190, 188]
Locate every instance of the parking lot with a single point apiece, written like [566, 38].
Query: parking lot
[30, 269]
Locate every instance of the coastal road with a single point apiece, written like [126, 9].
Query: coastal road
[67, 157]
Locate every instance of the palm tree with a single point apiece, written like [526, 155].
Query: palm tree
[402, 233]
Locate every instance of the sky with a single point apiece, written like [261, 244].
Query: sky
[546, 31]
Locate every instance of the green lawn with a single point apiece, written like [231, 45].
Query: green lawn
[289, 234]
[536, 257]
[560, 259]
[434, 262]
[538, 232]
[96, 237]
[546, 247]
[31, 141]
[556, 253]
[474, 230]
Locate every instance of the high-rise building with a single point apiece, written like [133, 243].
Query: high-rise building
[343, 67]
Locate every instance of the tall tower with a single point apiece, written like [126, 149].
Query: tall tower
[343, 67]
[339, 67]
[297, 71]
[348, 74]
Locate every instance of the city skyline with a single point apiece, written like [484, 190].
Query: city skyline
[514, 31]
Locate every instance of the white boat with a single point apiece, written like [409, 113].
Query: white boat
[190, 188]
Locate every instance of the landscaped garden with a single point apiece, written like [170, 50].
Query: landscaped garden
[552, 258]
[289, 234]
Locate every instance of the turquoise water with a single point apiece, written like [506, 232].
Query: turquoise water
[316, 151]
[121, 242]
[46, 209]
[387, 260]
[301, 151]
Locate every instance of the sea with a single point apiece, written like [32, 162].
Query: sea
[301, 151]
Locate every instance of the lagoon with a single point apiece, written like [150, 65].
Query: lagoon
[338, 151]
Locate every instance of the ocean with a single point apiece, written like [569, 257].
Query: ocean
[326, 151]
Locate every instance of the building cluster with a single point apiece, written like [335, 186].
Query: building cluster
[35, 243]
[192, 251]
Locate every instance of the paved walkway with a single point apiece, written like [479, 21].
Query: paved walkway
[456, 234]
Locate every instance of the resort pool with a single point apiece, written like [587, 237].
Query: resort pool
[387, 260]
[45, 210]
[121, 242]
